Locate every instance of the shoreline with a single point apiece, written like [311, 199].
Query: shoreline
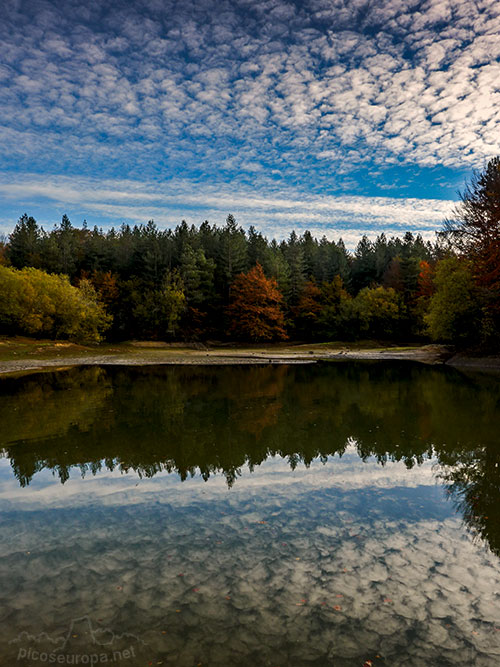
[24, 355]
[151, 354]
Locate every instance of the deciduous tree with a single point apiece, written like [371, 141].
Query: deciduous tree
[255, 311]
[454, 313]
[378, 311]
[474, 230]
[37, 303]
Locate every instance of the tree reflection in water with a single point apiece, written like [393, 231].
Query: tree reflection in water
[215, 420]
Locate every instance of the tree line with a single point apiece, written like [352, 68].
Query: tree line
[211, 282]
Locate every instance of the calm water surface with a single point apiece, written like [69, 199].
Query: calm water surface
[338, 514]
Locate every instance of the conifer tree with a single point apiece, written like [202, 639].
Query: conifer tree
[232, 253]
[24, 243]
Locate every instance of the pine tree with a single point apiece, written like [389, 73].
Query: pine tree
[197, 274]
[294, 255]
[310, 252]
[24, 243]
[232, 253]
[258, 250]
[363, 271]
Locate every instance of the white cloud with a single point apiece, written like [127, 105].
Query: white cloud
[240, 93]
[239, 83]
[275, 212]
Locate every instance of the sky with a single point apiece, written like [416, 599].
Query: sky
[339, 116]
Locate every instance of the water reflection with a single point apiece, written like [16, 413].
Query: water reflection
[216, 420]
[359, 560]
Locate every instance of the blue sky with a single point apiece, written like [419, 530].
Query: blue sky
[340, 116]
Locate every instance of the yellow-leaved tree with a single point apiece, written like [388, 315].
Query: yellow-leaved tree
[36, 303]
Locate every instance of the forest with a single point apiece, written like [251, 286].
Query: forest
[224, 283]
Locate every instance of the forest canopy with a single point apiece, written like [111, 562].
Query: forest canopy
[210, 282]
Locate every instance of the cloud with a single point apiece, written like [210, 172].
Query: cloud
[274, 212]
[221, 91]
[112, 486]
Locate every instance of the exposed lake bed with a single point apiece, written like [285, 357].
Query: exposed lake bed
[20, 355]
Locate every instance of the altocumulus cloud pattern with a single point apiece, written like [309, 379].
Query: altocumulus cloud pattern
[337, 116]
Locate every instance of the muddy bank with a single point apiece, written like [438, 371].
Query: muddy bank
[430, 354]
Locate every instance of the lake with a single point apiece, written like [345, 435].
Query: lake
[341, 514]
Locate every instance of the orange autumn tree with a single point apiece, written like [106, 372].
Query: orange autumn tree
[425, 280]
[255, 310]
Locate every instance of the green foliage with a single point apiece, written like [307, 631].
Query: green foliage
[24, 243]
[40, 304]
[474, 232]
[293, 252]
[177, 283]
[280, 270]
[453, 310]
[307, 311]
[232, 259]
[156, 313]
[377, 311]
[364, 267]
[335, 319]
[173, 301]
[197, 274]
[259, 251]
